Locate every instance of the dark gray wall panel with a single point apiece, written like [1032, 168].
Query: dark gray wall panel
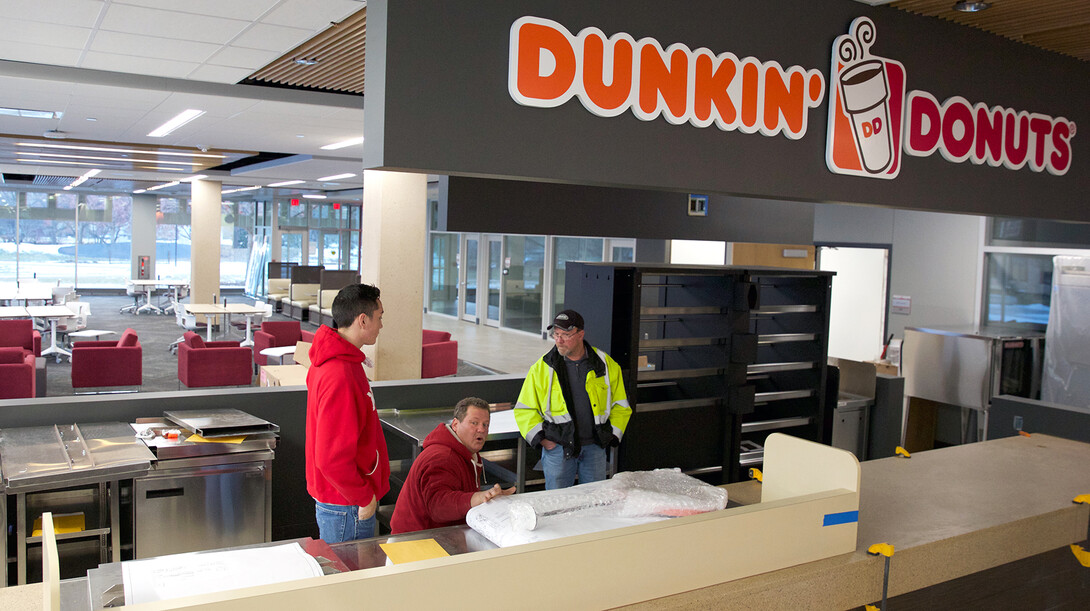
[511, 206]
[446, 107]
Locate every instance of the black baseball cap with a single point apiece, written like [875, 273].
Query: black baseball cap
[567, 320]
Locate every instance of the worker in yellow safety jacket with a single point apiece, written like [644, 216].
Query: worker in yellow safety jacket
[573, 405]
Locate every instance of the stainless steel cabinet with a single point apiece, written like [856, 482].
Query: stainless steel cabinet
[204, 502]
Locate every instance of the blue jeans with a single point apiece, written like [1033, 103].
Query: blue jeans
[337, 523]
[560, 472]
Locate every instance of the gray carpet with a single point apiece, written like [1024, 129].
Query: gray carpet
[156, 333]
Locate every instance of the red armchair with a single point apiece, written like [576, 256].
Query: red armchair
[275, 333]
[439, 356]
[16, 373]
[20, 333]
[108, 363]
[202, 363]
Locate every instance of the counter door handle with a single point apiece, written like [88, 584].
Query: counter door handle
[164, 493]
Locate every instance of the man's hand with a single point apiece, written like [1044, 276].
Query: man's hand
[548, 444]
[487, 495]
[368, 511]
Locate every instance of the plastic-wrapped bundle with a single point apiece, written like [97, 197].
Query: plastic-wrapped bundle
[635, 497]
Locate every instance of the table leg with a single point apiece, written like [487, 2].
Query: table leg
[53, 347]
[208, 318]
[20, 538]
[249, 322]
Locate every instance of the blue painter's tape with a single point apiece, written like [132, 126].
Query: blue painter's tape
[844, 517]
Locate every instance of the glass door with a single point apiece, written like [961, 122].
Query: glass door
[293, 246]
[494, 271]
[468, 270]
[331, 250]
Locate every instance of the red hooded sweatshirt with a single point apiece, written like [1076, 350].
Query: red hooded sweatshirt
[347, 463]
[441, 481]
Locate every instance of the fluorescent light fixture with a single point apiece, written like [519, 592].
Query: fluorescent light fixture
[183, 117]
[163, 186]
[68, 188]
[73, 147]
[191, 179]
[309, 196]
[287, 182]
[27, 113]
[240, 190]
[138, 191]
[343, 143]
[28, 160]
[336, 177]
[126, 159]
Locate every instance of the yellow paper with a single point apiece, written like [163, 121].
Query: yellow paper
[62, 523]
[195, 438]
[411, 551]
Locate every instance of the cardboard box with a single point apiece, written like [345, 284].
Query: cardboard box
[302, 353]
[888, 369]
[282, 375]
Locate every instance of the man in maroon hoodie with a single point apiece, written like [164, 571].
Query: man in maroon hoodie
[348, 470]
[445, 479]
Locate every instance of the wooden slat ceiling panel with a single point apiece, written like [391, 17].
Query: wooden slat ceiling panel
[1062, 26]
[339, 51]
[1055, 25]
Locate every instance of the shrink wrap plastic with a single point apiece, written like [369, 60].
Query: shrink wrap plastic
[629, 498]
[1066, 377]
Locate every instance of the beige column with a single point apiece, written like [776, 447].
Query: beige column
[205, 218]
[393, 248]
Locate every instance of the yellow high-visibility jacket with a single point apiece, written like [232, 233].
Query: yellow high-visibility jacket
[542, 408]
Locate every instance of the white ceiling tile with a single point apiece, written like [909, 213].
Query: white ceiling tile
[313, 14]
[171, 24]
[248, 10]
[105, 95]
[150, 46]
[219, 74]
[40, 54]
[272, 37]
[238, 57]
[62, 12]
[33, 32]
[137, 65]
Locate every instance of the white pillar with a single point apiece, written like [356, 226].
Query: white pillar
[392, 246]
[204, 255]
[144, 207]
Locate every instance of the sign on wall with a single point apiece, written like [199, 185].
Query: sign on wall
[872, 117]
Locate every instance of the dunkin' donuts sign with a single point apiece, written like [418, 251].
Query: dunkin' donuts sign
[872, 119]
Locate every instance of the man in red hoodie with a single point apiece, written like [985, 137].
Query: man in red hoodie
[348, 469]
[445, 479]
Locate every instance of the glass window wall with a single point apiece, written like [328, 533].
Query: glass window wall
[173, 237]
[524, 284]
[571, 249]
[443, 293]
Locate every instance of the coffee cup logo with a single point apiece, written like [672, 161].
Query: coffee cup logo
[865, 112]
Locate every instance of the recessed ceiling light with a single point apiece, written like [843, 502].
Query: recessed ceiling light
[92, 119]
[27, 113]
[343, 143]
[181, 119]
[970, 6]
[116, 150]
[286, 183]
[336, 177]
[306, 61]
[309, 196]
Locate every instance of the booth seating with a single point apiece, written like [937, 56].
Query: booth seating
[332, 281]
[106, 363]
[278, 290]
[305, 283]
[276, 333]
[20, 333]
[202, 363]
[16, 373]
[439, 356]
[321, 313]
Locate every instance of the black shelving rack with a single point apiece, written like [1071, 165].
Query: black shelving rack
[733, 353]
